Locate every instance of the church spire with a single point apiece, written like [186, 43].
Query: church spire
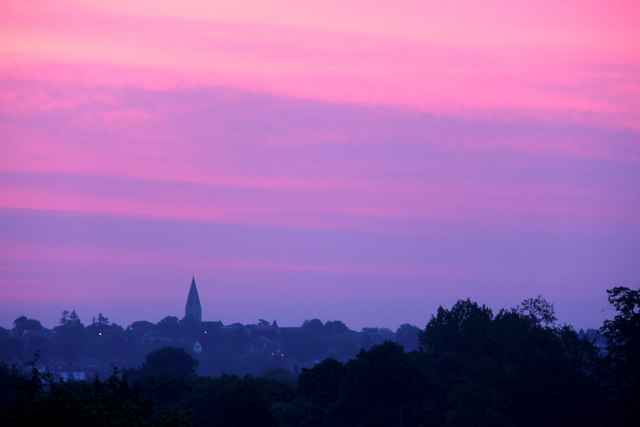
[193, 310]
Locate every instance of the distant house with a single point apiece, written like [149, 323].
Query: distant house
[63, 373]
[262, 344]
[208, 326]
[71, 376]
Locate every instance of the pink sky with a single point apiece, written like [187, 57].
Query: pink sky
[363, 162]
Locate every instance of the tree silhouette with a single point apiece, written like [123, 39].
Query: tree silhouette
[170, 361]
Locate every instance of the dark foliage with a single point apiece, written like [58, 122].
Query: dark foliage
[516, 368]
[171, 361]
[623, 347]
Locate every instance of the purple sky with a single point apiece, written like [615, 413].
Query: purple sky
[321, 163]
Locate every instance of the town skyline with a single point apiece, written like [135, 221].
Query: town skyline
[194, 309]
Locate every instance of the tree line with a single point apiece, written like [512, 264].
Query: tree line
[233, 349]
[472, 367]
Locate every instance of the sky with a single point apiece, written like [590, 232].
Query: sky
[357, 161]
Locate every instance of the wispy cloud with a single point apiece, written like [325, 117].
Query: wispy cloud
[392, 153]
[444, 59]
[233, 156]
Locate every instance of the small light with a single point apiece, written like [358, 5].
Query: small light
[205, 332]
[99, 333]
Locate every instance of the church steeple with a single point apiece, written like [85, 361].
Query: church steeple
[193, 309]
